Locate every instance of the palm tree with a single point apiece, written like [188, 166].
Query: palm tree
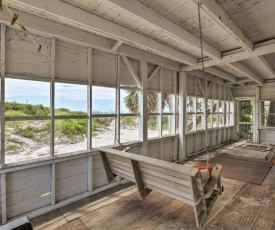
[132, 101]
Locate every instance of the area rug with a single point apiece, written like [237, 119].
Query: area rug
[244, 169]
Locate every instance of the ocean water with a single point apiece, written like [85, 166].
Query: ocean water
[70, 96]
[98, 105]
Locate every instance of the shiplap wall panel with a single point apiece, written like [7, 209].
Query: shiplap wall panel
[153, 84]
[200, 141]
[168, 149]
[214, 91]
[153, 150]
[190, 85]
[27, 206]
[71, 62]
[23, 58]
[104, 68]
[99, 177]
[28, 190]
[126, 79]
[71, 178]
[1, 202]
[267, 92]
[97, 162]
[190, 144]
[135, 149]
[267, 136]
[167, 80]
[247, 91]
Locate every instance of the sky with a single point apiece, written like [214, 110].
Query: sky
[70, 96]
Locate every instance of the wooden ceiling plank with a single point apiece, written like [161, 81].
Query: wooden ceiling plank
[214, 10]
[143, 13]
[66, 13]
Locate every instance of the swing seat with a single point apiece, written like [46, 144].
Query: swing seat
[174, 180]
[215, 178]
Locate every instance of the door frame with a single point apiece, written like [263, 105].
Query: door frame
[254, 111]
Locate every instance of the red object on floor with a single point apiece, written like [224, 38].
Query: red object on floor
[204, 167]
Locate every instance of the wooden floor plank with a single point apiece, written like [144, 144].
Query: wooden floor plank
[73, 225]
[124, 212]
[97, 201]
[252, 208]
[242, 206]
[48, 221]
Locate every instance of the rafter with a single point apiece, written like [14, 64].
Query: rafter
[221, 74]
[246, 72]
[65, 13]
[214, 10]
[262, 60]
[260, 49]
[143, 13]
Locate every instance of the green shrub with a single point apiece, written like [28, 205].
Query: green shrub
[152, 122]
[129, 121]
[27, 131]
[20, 109]
[71, 127]
[101, 123]
[11, 146]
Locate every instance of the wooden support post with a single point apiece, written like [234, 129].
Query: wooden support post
[53, 185]
[118, 101]
[205, 113]
[2, 109]
[89, 99]
[3, 198]
[218, 115]
[174, 119]
[160, 95]
[107, 167]
[90, 174]
[195, 116]
[257, 116]
[182, 116]
[175, 116]
[143, 127]
[52, 94]
[143, 192]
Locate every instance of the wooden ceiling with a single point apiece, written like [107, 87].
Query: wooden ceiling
[238, 35]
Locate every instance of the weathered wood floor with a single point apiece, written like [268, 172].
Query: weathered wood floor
[242, 206]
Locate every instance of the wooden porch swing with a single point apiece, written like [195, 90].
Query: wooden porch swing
[198, 187]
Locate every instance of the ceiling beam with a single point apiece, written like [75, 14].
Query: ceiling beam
[214, 10]
[48, 29]
[246, 72]
[66, 14]
[221, 74]
[262, 60]
[261, 48]
[146, 15]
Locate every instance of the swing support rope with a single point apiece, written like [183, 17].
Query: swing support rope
[205, 83]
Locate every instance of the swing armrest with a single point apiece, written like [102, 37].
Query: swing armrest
[214, 179]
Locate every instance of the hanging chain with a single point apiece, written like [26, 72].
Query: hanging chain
[204, 86]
